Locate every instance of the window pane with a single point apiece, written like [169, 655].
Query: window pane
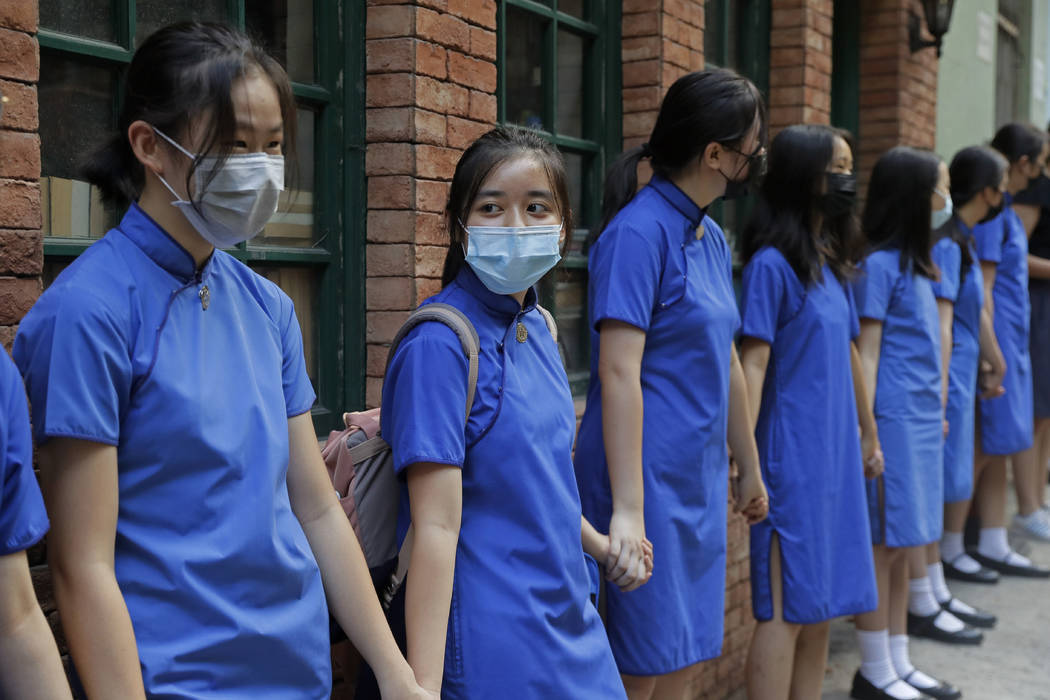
[293, 225]
[571, 7]
[90, 18]
[302, 284]
[287, 28]
[151, 15]
[570, 84]
[720, 27]
[574, 175]
[70, 206]
[570, 307]
[524, 71]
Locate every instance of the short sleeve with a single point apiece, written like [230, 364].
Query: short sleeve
[948, 258]
[424, 397]
[625, 268]
[854, 319]
[989, 237]
[765, 295]
[873, 287]
[23, 520]
[298, 391]
[74, 353]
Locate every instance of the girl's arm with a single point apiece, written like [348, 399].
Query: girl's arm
[80, 488]
[29, 662]
[753, 501]
[869, 345]
[597, 545]
[347, 583]
[1038, 267]
[945, 313]
[871, 450]
[1029, 216]
[993, 364]
[436, 498]
[620, 347]
[754, 359]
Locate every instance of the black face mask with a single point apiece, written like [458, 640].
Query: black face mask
[840, 195]
[993, 211]
[737, 188]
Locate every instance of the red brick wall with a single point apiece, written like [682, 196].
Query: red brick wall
[21, 245]
[431, 90]
[898, 88]
[800, 63]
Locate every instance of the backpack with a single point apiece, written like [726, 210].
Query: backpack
[361, 463]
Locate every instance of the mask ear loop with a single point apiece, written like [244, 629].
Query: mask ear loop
[182, 150]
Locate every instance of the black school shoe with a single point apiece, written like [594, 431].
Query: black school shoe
[978, 618]
[920, 626]
[1032, 571]
[982, 575]
[863, 689]
[941, 691]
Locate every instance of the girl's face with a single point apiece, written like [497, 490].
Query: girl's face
[516, 193]
[841, 158]
[939, 198]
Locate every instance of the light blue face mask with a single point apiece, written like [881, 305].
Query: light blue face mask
[940, 217]
[509, 259]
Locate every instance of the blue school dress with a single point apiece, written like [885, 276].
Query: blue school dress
[193, 377]
[23, 520]
[652, 269]
[906, 503]
[962, 370]
[809, 446]
[1038, 194]
[1007, 420]
[521, 622]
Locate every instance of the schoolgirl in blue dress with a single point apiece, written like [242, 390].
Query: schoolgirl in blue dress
[29, 663]
[1006, 422]
[497, 598]
[811, 558]
[666, 384]
[899, 345]
[192, 517]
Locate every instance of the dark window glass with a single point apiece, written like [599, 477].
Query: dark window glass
[524, 69]
[287, 28]
[90, 18]
[151, 15]
[570, 84]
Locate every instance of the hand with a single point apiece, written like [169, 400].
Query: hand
[946, 427]
[871, 452]
[990, 379]
[406, 688]
[626, 563]
[752, 500]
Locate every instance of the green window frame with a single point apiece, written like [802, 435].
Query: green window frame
[598, 145]
[337, 255]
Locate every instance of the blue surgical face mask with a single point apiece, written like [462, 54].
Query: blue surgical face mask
[509, 259]
[939, 217]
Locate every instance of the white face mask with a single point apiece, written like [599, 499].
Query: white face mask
[239, 200]
[509, 259]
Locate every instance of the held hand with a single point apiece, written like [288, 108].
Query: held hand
[752, 500]
[946, 428]
[625, 564]
[407, 689]
[871, 451]
[991, 379]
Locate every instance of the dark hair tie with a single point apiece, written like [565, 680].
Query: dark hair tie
[646, 151]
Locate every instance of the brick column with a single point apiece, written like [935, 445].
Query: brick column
[898, 89]
[800, 63]
[21, 243]
[431, 90]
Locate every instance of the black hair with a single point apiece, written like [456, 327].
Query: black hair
[483, 156]
[711, 106]
[789, 205]
[179, 73]
[972, 170]
[1016, 140]
[897, 211]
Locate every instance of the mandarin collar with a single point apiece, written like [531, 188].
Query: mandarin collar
[158, 244]
[500, 303]
[678, 199]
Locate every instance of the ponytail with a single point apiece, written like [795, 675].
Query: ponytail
[621, 184]
[115, 171]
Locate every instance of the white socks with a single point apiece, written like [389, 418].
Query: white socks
[993, 545]
[922, 603]
[902, 664]
[877, 666]
[941, 592]
[953, 551]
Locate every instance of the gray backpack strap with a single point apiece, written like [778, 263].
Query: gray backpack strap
[551, 325]
[464, 330]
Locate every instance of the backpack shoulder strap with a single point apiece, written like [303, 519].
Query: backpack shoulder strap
[460, 325]
[549, 318]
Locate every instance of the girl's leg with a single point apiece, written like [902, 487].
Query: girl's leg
[811, 659]
[935, 572]
[639, 687]
[772, 654]
[876, 665]
[952, 549]
[1026, 470]
[925, 617]
[676, 685]
[1042, 443]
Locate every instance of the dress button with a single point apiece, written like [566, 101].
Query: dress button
[499, 348]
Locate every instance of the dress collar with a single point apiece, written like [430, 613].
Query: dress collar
[500, 303]
[678, 199]
[158, 244]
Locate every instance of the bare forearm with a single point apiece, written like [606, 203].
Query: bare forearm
[428, 597]
[594, 543]
[1038, 268]
[351, 596]
[741, 432]
[29, 663]
[99, 631]
[622, 436]
[987, 342]
[861, 394]
[945, 311]
[754, 359]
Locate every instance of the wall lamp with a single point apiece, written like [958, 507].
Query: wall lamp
[938, 17]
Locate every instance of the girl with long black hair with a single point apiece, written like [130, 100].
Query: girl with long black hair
[666, 385]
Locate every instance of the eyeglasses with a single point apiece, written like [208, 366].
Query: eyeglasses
[756, 159]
